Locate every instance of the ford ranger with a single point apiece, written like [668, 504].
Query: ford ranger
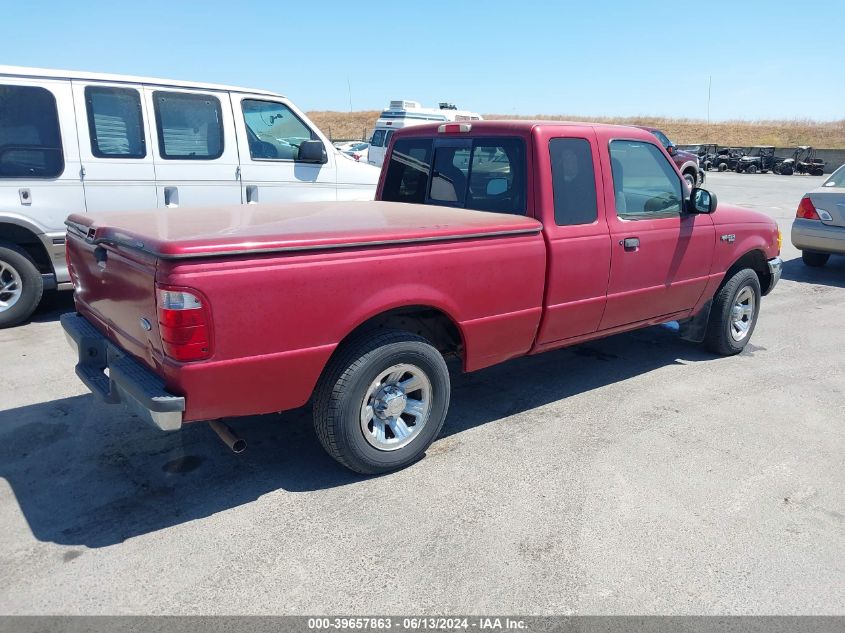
[487, 241]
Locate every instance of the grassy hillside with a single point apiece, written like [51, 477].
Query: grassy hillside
[820, 134]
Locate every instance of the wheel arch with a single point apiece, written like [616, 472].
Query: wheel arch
[756, 260]
[431, 322]
[27, 237]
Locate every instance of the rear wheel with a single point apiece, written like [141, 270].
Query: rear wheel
[21, 285]
[723, 167]
[814, 259]
[734, 314]
[382, 401]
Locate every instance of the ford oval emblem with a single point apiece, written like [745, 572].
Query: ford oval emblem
[145, 323]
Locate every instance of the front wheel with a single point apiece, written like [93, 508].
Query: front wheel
[751, 169]
[816, 260]
[21, 285]
[382, 401]
[734, 314]
[690, 178]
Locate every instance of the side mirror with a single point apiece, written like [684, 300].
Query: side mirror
[672, 150]
[702, 201]
[312, 152]
[497, 186]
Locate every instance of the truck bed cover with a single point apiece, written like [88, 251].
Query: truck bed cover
[179, 233]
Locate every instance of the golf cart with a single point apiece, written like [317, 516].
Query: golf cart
[728, 157]
[759, 158]
[803, 161]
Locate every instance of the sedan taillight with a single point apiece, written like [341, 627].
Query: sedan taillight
[806, 209]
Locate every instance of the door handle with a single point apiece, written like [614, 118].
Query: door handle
[252, 194]
[171, 196]
[630, 243]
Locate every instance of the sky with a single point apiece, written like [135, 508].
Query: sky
[768, 59]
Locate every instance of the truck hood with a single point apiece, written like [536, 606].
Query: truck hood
[686, 156]
[174, 233]
[727, 214]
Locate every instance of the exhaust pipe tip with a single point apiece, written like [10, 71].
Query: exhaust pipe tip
[228, 437]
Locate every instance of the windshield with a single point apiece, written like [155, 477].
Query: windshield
[664, 140]
[837, 178]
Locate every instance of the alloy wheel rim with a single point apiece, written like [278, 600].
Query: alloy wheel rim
[11, 287]
[742, 313]
[396, 407]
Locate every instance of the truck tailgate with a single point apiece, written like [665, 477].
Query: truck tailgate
[115, 289]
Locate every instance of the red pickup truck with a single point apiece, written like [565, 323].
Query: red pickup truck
[487, 241]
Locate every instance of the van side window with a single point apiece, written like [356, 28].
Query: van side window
[645, 185]
[115, 122]
[573, 181]
[30, 138]
[407, 172]
[273, 130]
[190, 126]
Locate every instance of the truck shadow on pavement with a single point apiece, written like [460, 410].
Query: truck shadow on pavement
[85, 473]
[831, 274]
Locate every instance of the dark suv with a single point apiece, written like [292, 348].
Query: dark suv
[687, 162]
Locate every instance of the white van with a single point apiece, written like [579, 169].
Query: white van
[401, 114]
[72, 142]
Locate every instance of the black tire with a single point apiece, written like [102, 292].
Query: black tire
[751, 169]
[15, 264]
[814, 259]
[723, 167]
[719, 338]
[340, 393]
[786, 171]
[691, 179]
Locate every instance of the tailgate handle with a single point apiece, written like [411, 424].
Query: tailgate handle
[171, 196]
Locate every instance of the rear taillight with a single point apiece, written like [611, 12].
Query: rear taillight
[184, 324]
[806, 209]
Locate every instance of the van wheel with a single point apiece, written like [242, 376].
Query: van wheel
[21, 285]
[381, 401]
[734, 314]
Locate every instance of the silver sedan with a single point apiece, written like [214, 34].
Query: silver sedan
[819, 227]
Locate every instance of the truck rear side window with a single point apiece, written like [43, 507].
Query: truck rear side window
[484, 174]
[190, 125]
[30, 138]
[573, 180]
[407, 173]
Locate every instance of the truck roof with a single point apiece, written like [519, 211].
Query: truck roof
[523, 126]
[50, 73]
[173, 233]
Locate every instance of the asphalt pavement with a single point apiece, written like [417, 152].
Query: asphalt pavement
[636, 474]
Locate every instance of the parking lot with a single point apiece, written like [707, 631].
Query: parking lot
[636, 474]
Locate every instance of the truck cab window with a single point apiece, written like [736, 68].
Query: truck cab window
[190, 125]
[30, 138]
[573, 181]
[274, 131]
[115, 123]
[645, 185]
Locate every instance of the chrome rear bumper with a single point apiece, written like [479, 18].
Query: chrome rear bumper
[118, 378]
